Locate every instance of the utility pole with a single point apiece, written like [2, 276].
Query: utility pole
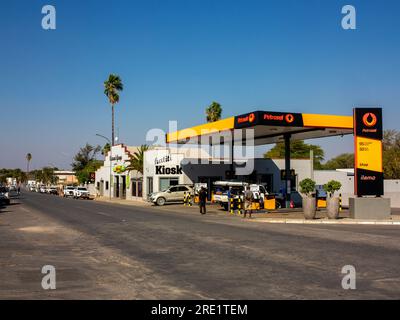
[110, 161]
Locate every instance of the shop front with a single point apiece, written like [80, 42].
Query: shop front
[165, 167]
[114, 179]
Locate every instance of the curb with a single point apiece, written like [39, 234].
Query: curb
[331, 222]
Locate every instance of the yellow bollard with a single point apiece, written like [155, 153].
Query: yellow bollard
[340, 202]
[239, 206]
[184, 199]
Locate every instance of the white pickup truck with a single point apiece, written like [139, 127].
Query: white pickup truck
[236, 189]
[81, 193]
[69, 191]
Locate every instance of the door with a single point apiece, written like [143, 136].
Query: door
[149, 185]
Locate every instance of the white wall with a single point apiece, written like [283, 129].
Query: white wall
[103, 173]
[391, 187]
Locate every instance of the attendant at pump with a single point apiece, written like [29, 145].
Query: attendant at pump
[202, 200]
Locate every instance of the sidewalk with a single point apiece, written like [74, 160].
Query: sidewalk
[281, 216]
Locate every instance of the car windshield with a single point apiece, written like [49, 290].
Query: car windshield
[82, 189]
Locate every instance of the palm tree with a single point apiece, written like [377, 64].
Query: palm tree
[136, 160]
[28, 160]
[214, 112]
[112, 86]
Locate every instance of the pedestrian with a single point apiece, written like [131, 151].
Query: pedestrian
[19, 190]
[202, 200]
[248, 202]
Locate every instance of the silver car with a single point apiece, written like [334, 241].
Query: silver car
[172, 194]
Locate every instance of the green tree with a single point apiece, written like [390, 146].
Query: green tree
[343, 161]
[136, 160]
[213, 112]
[112, 86]
[298, 150]
[28, 160]
[391, 154]
[106, 149]
[85, 162]
[85, 156]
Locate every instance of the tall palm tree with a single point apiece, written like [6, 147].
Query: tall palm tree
[136, 160]
[112, 86]
[28, 160]
[213, 112]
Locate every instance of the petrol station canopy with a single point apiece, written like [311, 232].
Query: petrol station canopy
[269, 127]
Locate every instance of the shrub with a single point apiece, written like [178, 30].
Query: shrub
[307, 186]
[332, 186]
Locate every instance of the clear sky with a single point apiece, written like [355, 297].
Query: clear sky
[177, 56]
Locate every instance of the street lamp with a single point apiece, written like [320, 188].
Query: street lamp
[109, 142]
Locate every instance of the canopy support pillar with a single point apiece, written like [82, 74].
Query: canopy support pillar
[287, 170]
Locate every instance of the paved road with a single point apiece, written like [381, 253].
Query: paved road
[108, 251]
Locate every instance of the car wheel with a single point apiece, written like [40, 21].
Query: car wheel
[160, 201]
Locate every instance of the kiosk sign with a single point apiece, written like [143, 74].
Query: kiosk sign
[368, 134]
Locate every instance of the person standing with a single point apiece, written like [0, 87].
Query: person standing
[248, 202]
[202, 200]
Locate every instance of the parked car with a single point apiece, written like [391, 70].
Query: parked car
[4, 196]
[13, 192]
[42, 189]
[69, 191]
[172, 194]
[52, 190]
[81, 193]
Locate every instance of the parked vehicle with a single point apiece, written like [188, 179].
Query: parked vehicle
[81, 193]
[236, 190]
[42, 189]
[52, 190]
[4, 196]
[69, 191]
[172, 194]
[13, 192]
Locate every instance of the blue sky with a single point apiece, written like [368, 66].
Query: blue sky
[177, 56]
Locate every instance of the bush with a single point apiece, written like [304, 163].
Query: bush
[332, 186]
[307, 186]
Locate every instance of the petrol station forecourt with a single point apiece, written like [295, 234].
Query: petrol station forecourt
[180, 163]
[272, 127]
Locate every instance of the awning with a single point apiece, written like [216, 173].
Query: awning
[269, 127]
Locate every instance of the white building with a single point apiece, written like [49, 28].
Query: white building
[164, 167]
[114, 178]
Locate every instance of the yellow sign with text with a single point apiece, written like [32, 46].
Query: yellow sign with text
[369, 154]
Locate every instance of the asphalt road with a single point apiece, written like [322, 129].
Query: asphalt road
[107, 251]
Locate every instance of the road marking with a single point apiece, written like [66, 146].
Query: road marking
[104, 214]
[26, 210]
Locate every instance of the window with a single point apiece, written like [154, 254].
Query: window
[182, 189]
[106, 185]
[165, 183]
